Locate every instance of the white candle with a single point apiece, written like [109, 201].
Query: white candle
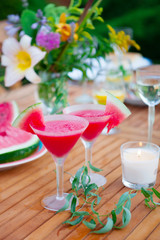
[140, 165]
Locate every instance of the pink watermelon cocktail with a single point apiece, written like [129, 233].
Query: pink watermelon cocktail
[98, 116]
[59, 133]
[97, 121]
[59, 136]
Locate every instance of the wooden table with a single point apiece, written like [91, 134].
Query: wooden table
[22, 188]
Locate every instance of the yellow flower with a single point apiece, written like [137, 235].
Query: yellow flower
[65, 29]
[122, 40]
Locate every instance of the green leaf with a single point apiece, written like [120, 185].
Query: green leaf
[96, 195]
[145, 193]
[75, 3]
[121, 202]
[126, 217]
[153, 202]
[75, 10]
[93, 202]
[73, 18]
[99, 19]
[123, 198]
[106, 228]
[90, 188]
[87, 35]
[147, 203]
[90, 26]
[73, 204]
[79, 172]
[94, 168]
[51, 10]
[114, 216]
[156, 192]
[75, 222]
[128, 204]
[90, 225]
[28, 17]
[99, 220]
[132, 195]
[84, 180]
[82, 213]
[68, 198]
[75, 183]
[1, 78]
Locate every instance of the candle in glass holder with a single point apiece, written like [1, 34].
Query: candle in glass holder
[139, 164]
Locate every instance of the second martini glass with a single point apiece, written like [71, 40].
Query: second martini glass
[59, 134]
[94, 114]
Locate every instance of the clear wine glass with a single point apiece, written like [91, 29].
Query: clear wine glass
[94, 114]
[148, 84]
[59, 134]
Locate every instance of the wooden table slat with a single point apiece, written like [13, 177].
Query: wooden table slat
[23, 187]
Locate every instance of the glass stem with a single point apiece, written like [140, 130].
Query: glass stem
[88, 153]
[151, 118]
[59, 176]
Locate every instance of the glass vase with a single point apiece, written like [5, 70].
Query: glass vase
[52, 92]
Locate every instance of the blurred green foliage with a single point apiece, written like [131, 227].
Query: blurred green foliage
[143, 16]
[15, 6]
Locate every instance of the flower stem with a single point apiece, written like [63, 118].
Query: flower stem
[88, 5]
[53, 67]
[87, 14]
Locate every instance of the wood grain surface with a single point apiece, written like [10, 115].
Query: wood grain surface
[23, 187]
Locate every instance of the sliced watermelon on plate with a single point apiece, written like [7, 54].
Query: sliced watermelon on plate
[8, 112]
[116, 109]
[31, 115]
[16, 144]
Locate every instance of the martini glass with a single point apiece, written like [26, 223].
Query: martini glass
[94, 114]
[148, 84]
[59, 134]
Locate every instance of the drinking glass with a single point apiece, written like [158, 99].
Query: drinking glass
[111, 80]
[148, 84]
[59, 134]
[89, 136]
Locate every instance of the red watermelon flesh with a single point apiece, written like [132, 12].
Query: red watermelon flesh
[32, 115]
[12, 137]
[8, 112]
[116, 116]
[117, 111]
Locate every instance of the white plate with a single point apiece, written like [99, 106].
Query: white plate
[41, 150]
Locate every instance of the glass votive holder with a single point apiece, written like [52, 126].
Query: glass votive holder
[139, 164]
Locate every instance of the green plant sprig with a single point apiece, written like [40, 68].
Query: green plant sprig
[83, 189]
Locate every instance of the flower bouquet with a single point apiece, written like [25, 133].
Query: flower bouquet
[50, 43]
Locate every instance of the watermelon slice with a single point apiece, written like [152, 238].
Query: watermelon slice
[33, 114]
[116, 109]
[8, 112]
[16, 144]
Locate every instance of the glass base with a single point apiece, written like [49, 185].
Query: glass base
[95, 178]
[136, 185]
[52, 203]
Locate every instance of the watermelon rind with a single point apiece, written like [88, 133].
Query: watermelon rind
[19, 121]
[15, 110]
[120, 105]
[20, 151]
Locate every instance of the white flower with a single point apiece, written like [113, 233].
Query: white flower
[19, 58]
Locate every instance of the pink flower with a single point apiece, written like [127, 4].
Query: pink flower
[48, 40]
